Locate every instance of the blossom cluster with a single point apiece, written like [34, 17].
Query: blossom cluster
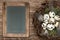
[50, 21]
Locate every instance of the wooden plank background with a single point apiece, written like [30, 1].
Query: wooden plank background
[33, 5]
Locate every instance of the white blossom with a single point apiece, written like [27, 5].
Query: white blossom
[50, 26]
[51, 14]
[52, 20]
[44, 26]
[57, 23]
[46, 21]
[46, 17]
[57, 17]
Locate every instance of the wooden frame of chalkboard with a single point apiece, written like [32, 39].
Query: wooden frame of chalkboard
[5, 34]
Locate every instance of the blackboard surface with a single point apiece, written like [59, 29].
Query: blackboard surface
[16, 19]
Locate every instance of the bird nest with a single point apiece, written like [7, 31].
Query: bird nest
[41, 11]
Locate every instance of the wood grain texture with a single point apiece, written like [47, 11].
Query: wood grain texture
[32, 34]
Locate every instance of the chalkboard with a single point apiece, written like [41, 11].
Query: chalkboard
[16, 19]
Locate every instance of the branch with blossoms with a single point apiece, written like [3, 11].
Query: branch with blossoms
[50, 23]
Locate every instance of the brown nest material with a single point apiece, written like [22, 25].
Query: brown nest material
[40, 11]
